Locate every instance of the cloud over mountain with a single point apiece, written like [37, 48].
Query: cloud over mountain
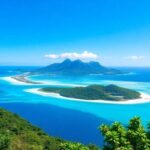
[74, 55]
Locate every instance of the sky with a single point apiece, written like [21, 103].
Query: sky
[40, 32]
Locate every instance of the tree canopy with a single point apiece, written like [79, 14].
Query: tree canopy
[131, 137]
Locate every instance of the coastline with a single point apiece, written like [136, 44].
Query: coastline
[23, 80]
[14, 81]
[20, 80]
[145, 98]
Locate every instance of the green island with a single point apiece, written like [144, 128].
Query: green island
[18, 134]
[95, 92]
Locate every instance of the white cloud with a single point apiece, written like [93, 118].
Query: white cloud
[74, 55]
[52, 56]
[135, 57]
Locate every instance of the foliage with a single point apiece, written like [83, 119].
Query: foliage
[4, 141]
[93, 147]
[77, 146]
[133, 137]
[72, 146]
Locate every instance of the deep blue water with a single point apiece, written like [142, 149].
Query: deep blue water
[69, 124]
[73, 120]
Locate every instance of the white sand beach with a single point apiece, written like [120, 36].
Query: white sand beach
[26, 81]
[14, 81]
[145, 98]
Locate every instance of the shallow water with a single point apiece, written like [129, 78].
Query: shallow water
[73, 120]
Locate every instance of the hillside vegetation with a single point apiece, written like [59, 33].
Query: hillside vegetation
[18, 134]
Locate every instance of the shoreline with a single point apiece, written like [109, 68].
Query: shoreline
[23, 80]
[145, 98]
[14, 81]
[20, 80]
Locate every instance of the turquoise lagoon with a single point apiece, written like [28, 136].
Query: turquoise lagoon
[74, 120]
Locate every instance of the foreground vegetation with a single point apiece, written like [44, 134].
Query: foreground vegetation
[132, 137]
[18, 134]
[95, 92]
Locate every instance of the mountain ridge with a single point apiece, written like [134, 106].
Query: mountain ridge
[78, 67]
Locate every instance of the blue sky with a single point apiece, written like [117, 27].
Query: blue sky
[116, 31]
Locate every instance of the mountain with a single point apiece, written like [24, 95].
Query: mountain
[78, 67]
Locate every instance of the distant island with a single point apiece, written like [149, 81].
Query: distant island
[95, 92]
[78, 67]
[67, 67]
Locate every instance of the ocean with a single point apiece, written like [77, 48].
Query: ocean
[74, 120]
